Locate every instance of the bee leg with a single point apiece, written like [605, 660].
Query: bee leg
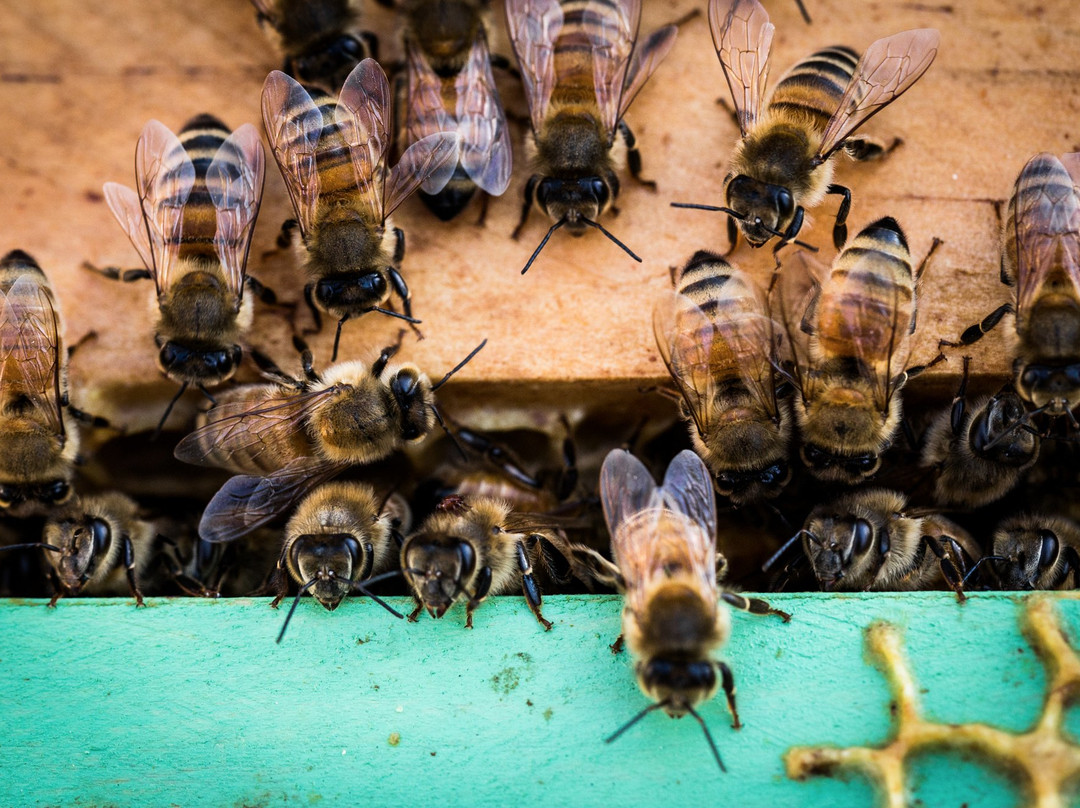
[948, 569]
[956, 414]
[530, 194]
[309, 300]
[753, 605]
[264, 293]
[1072, 564]
[633, 156]
[730, 110]
[117, 274]
[485, 198]
[617, 646]
[371, 42]
[81, 341]
[568, 475]
[399, 250]
[839, 233]
[862, 148]
[187, 584]
[285, 235]
[974, 333]
[58, 588]
[279, 580]
[483, 586]
[129, 563]
[498, 455]
[414, 615]
[727, 681]
[379, 365]
[732, 235]
[529, 586]
[269, 368]
[85, 417]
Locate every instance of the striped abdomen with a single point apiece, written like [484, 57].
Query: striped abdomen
[201, 138]
[333, 159]
[814, 87]
[580, 36]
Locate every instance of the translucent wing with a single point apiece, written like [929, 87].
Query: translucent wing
[30, 347]
[234, 181]
[684, 335]
[742, 34]
[246, 503]
[626, 489]
[164, 177]
[425, 114]
[612, 29]
[126, 207]
[293, 126]
[1072, 165]
[483, 135]
[643, 64]
[254, 437]
[888, 68]
[1047, 221]
[432, 160]
[796, 297]
[363, 117]
[534, 26]
[688, 490]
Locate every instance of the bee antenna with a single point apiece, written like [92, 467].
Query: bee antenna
[714, 208]
[975, 567]
[361, 586]
[786, 240]
[536, 252]
[784, 548]
[165, 415]
[458, 366]
[708, 737]
[399, 315]
[644, 712]
[1022, 422]
[41, 544]
[295, 603]
[337, 336]
[1072, 418]
[449, 433]
[607, 233]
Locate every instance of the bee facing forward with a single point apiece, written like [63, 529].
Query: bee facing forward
[849, 373]
[285, 438]
[39, 438]
[451, 88]
[581, 69]
[321, 39]
[721, 347]
[1040, 257]
[333, 155]
[191, 219]
[784, 161]
[663, 541]
[1036, 551]
[868, 541]
[474, 547]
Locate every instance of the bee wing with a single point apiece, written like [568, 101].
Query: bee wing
[30, 347]
[534, 26]
[1072, 165]
[612, 28]
[888, 68]
[246, 503]
[626, 489]
[164, 176]
[270, 433]
[126, 207]
[743, 35]
[684, 336]
[796, 296]
[688, 490]
[483, 135]
[293, 126]
[1047, 221]
[426, 114]
[234, 181]
[430, 161]
[643, 64]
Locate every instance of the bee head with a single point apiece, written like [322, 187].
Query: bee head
[329, 60]
[352, 292]
[839, 544]
[573, 201]
[198, 365]
[678, 683]
[333, 561]
[1028, 552]
[1000, 433]
[84, 542]
[830, 466]
[1053, 388]
[755, 484]
[412, 393]
[762, 210]
[438, 567]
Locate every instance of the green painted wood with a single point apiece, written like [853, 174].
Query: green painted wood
[190, 703]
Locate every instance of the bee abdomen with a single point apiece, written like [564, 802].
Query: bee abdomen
[816, 85]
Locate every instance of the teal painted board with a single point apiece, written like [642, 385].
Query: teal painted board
[190, 703]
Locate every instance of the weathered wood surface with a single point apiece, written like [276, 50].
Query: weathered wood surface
[190, 703]
[77, 84]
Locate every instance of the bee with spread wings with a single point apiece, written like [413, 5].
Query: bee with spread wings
[333, 154]
[581, 69]
[663, 541]
[191, 218]
[451, 87]
[285, 438]
[721, 347]
[784, 161]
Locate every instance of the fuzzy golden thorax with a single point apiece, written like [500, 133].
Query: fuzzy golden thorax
[573, 160]
[844, 434]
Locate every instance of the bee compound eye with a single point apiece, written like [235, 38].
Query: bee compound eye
[862, 534]
[1048, 548]
[785, 204]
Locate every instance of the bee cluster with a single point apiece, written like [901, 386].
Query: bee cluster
[790, 391]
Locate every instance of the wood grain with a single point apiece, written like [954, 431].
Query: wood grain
[77, 87]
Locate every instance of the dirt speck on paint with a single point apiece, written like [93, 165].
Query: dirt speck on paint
[505, 681]
[548, 713]
[394, 739]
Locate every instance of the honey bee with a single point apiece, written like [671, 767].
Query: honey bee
[720, 346]
[321, 39]
[1037, 551]
[39, 437]
[869, 540]
[333, 155]
[981, 451]
[451, 88]
[784, 161]
[1040, 257]
[475, 547]
[285, 438]
[663, 541]
[340, 538]
[191, 220]
[859, 321]
[95, 543]
[581, 69]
